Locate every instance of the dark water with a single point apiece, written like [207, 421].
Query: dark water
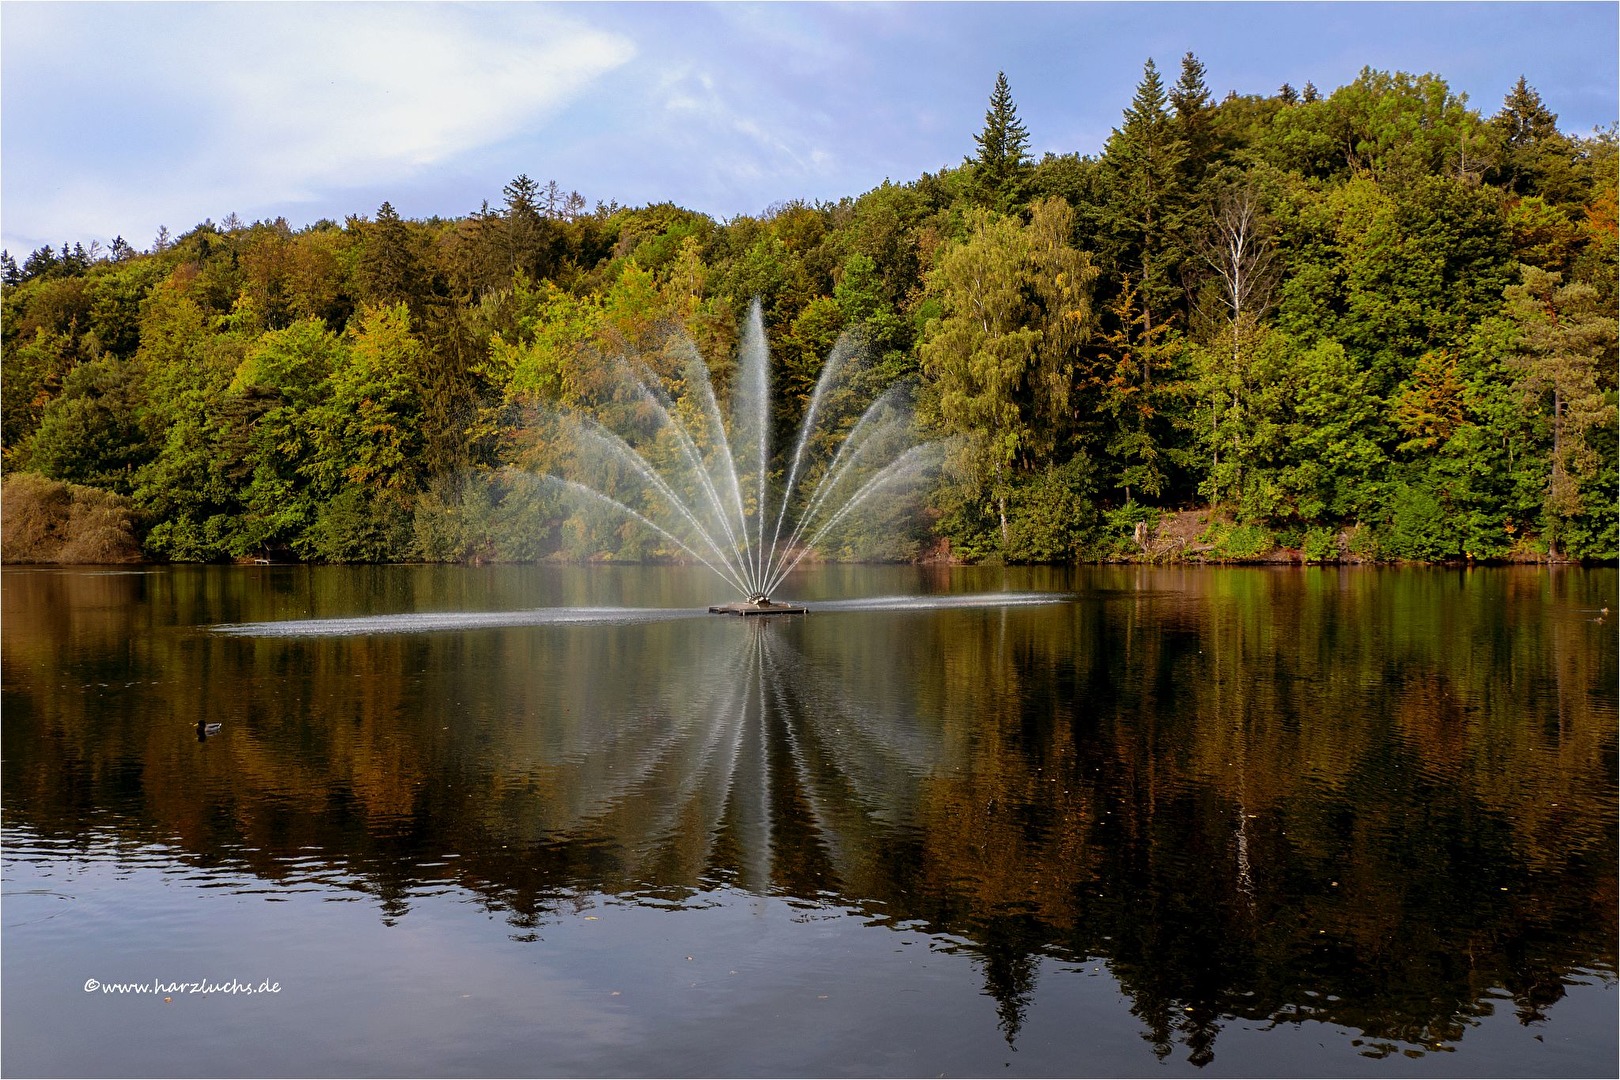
[1229, 822]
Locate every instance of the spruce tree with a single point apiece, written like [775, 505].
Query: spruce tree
[1147, 198]
[526, 235]
[1192, 101]
[1003, 161]
[1191, 95]
[1524, 119]
[389, 271]
[1535, 157]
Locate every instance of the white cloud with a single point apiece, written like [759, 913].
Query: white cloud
[279, 104]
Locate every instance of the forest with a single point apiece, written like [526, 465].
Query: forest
[1372, 324]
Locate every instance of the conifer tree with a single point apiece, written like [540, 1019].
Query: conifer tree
[526, 233]
[1535, 156]
[1191, 95]
[1192, 101]
[1003, 160]
[1524, 119]
[390, 273]
[1147, 197]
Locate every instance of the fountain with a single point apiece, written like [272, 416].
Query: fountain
[650, 448]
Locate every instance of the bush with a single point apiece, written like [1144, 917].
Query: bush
[1418, 527]
[1244, 542]
[358, 527]
[1362, 543]
[45, 521]
[1320, 545]
[1050, 516]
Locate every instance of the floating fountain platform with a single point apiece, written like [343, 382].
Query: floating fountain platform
[758, 604]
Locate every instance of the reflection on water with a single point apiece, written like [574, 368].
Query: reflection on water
[1379, 800]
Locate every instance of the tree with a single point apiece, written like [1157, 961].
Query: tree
[277, 393]
[1237, 245]
[1003, 160]
[1192, 102]
[92, 433]
[1127, 394]
[1535, 158]
[1016, 304]
[1146, 196]
[370, 427]
[1566, 357]
[390, 272]
[40, 263]
[527, 232]
[1397, 275]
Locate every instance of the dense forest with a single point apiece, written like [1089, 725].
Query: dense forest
[1372, 324]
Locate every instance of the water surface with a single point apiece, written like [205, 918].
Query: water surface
[558, 821]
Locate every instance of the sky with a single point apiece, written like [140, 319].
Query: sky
[118, 118]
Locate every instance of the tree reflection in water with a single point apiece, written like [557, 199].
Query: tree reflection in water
[1380, 801]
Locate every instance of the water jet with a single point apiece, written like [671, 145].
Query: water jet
[651, 448]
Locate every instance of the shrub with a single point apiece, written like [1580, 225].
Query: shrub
[1362, 543]
[1418, 527]
[1320, 545]
[1050, 516]
[1121, 525]
[1244, 542]
[45, 521]
[357, 527]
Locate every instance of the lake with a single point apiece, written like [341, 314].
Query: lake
[959, 821]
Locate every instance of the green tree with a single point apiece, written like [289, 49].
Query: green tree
[1191, 100]
[1003, 163]
[278, 392]
[369, 429]
[390, 272]
[92, 433]
[1534, 157]
[1016, 305]
[1147, 197]
[1566, 357]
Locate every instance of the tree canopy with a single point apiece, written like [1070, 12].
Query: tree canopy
[1369, 321]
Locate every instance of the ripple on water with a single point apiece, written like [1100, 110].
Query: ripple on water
[443, 621]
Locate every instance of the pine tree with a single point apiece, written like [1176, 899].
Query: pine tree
[1524, 119]
[1191, 95]
[389, 268]
[1192, 101]
[1288, 94]
[1147, 197]
[1535, 157]
[1003, 160]
[526, 234]
[1310, 93]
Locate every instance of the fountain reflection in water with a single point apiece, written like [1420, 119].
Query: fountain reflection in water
[651, 447]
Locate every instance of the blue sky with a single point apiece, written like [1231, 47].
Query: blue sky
[118, 118]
